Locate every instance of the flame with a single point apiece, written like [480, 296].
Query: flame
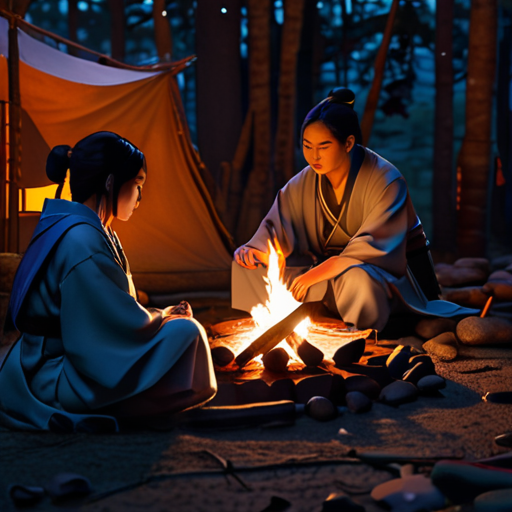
[280, 302]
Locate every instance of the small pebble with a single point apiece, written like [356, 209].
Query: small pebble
[429, 328]
[358, 402]
[431, 383]
[484, 331]
[321, 409]
[276, 360]
[398, 392]
[350, 352]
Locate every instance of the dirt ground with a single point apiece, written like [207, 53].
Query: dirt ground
[302, 463]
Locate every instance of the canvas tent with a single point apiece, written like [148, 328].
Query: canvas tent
[175, 240]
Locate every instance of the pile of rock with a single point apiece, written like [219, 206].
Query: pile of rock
[470, 282]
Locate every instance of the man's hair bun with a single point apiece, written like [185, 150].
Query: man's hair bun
[343, 96]
[57, 163]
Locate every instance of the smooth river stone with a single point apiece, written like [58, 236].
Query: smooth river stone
[364, 384]
[398, 392]
[321, 409]
[499, 500]
[500, 290]
[431, 383]
[469, 296]
[450, 275]
[276, 360]
[480, 263]
[349, 353]
[358, 402]
[429, 328]
[484, 331]
[444, 346]
[418, 371]
[222, 356]
[398, 361]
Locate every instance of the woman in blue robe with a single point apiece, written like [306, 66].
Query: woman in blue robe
[347, 228]
[89, 354]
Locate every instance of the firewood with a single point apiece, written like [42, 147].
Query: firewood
[310, 355]
[270, 338]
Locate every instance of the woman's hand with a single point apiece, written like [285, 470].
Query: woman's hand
[301, 284]
[250, 258]
[182, 309]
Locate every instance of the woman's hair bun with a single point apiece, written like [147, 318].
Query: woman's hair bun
[57, 163]
[343, 96]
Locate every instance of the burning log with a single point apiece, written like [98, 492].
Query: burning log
[276, 360]
[270, 338]
[310, 355]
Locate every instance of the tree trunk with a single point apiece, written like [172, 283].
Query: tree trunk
[163, 36]
[474, 157]
[290, 42]
[444, 198]
[378, 74]
[218, 86]
[117, 26]
[258, 192]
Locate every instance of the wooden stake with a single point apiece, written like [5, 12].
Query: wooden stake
[486, 307]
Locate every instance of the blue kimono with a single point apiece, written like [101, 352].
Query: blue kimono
[89, 352]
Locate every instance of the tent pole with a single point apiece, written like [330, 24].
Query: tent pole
[3, 176]
[14, 137]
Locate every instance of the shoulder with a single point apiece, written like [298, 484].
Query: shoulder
[379, 170]
[81, 242]
[304, 178]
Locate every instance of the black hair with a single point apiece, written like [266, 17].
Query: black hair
[337, 113]
[90, 163]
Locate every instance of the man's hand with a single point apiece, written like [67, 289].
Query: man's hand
[250, 258]
[182, 309]
[301, 284]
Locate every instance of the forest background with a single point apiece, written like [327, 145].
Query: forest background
[432, 84]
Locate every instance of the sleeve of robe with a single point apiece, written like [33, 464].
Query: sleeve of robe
[114, 347]
[380, 239]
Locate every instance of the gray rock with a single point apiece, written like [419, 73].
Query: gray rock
[358, 402]
[321, 409]
[429, 328]
[431, 383]
[351, 352]
[484, 331]
[398, 392]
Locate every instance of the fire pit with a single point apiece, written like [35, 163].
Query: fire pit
[294, 351]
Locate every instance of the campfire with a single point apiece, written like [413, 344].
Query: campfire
[283, 334]
[293, 351]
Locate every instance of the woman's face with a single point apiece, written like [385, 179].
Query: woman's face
[129, 196]
[323, 152]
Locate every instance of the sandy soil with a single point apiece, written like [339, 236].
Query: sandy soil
[303, 463]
